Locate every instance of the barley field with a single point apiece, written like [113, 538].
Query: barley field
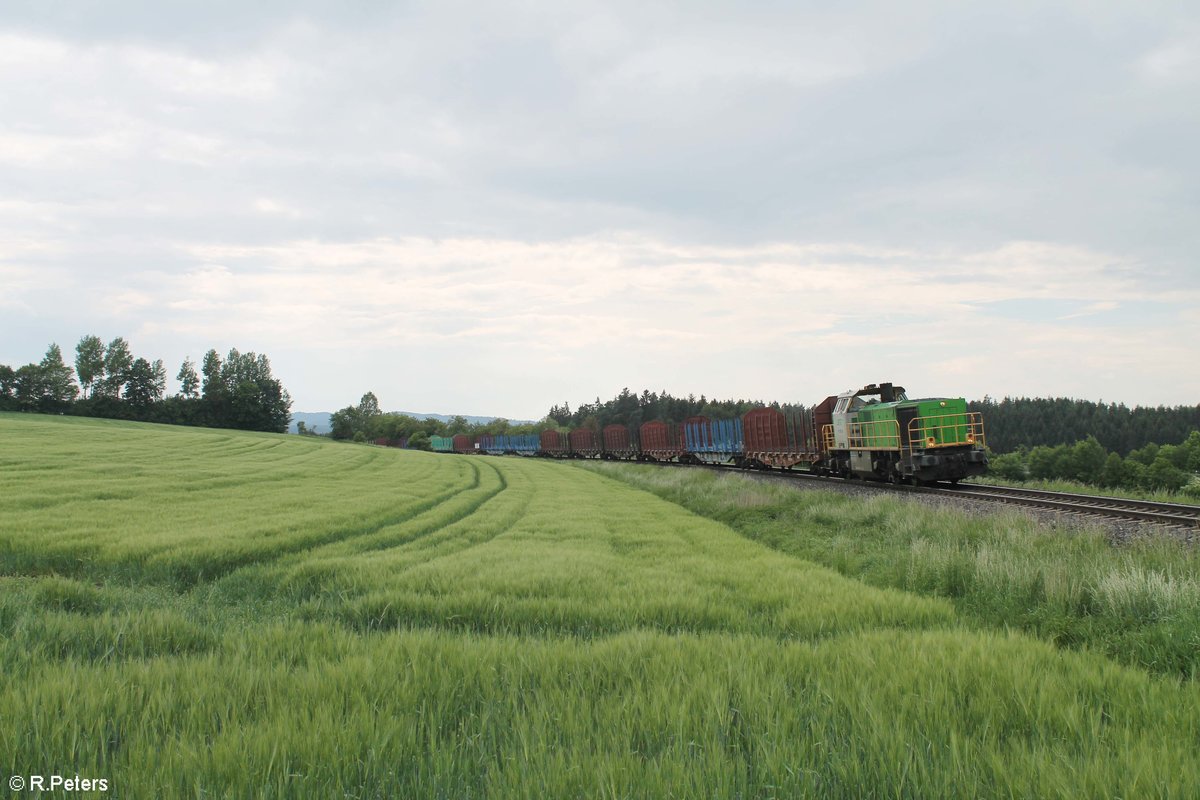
[204, 613]
[1138, 603]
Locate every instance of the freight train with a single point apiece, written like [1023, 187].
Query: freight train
[875, 433]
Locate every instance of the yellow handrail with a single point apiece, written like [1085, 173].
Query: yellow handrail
[947, 430]
[879, 434]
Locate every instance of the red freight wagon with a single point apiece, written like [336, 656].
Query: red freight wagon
[463, 444]
[775, 439]
[661, 441]
[618, 444]
[822, 418]
[555, 444]
[584, 443]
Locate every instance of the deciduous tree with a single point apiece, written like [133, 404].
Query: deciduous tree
[58, 381]
[89, 363]
[117, 361]
[189, 381]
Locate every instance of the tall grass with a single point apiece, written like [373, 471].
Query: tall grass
[241, 615]
[1139, 603]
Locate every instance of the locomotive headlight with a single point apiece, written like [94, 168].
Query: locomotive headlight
[970, 438]
[931, 441]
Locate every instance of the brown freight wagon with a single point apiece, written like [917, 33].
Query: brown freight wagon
[554, 444]
[619, 444]
[463, 444]
[775, 439]
[584, 443]
[661, 441]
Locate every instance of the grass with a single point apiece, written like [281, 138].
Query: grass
[1190, 495]
[1139, 603]
[205, 613]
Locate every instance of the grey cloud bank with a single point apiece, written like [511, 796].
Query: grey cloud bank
[496, 208]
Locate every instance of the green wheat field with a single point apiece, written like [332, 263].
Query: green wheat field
[204, 613]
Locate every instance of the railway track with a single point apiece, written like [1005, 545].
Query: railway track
[1172, 514]
[1175, 514]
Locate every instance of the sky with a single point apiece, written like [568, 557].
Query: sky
[491, 208]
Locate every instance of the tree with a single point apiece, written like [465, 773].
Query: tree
[368, 406]
[159, 373]
[211, 368]
[117, 362]
[8, 387]
[58, 381]
[189, 381]
[215, 396]
[341, 422]
[1192, 445]
[1085, 461]
[1010, 466]
[256, 400]
[29, 387]
[1162, 474]
[89, 363]
[139, 387]
[350, 421]
[1045, 463]
[418, 441]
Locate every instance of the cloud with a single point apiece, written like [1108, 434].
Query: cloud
[1093, 308]
[761, 199]
[1173, 62]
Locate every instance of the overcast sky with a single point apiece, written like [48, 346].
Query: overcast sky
[489, 208]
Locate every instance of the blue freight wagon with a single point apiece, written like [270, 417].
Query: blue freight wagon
[714, 441]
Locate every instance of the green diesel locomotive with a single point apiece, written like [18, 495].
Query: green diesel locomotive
[878, 433]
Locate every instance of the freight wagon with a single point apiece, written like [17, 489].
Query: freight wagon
[515, 445]
[620, 443]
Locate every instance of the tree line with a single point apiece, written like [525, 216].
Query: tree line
[1168, 467]
[629, 408]
[1040, 421]
[237, 391]
[366, 422]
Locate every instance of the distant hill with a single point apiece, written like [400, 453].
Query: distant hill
[318, 421]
